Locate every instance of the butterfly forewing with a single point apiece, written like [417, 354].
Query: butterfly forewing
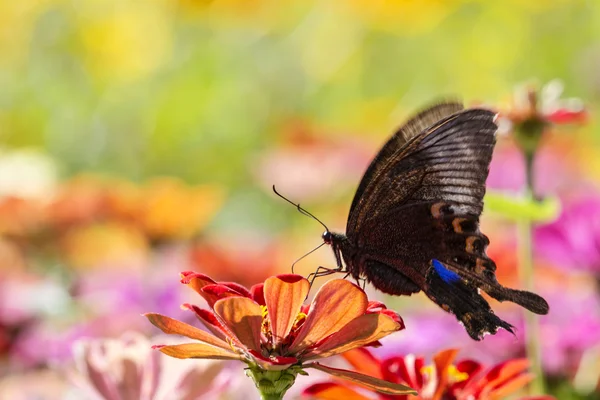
[408, 131]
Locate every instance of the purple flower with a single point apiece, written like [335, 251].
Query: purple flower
[105, 303]
[566, 333]
[573, 241]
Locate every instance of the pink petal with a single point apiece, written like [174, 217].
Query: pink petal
[172, 326]
[198, 350]
[364, 380]
[284, 299]
[360, 331]
[244, 317]
[335, 304]
[566, 116]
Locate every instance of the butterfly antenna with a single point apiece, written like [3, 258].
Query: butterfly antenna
[310, 252]
[301, 210]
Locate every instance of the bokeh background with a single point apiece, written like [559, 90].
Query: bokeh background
[140, 138]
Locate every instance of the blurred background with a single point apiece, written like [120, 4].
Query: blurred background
[141, 138]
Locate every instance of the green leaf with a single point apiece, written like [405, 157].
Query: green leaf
[523, 208]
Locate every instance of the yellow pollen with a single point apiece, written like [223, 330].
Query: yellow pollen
[299, 318]
[454, 375]
[230, 342]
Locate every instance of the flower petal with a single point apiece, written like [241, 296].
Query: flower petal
[258, 294]
[332, 391]
[513, 385]
[360, 331]
[363, 361]
[212, 293]
[372, 383]
[244, 317]
[568, 116]
[502, 375]
[442, 361]
[198, 350]
[196, 281]
[284, 295]
[209, 320]
[172, 326]
[273, 363]
[335, 304]
[238, 288]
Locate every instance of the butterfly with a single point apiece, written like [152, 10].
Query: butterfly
[414, 222]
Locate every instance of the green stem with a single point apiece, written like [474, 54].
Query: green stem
[526, 268]
[272, 385]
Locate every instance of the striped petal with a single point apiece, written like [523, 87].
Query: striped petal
[198, 350]
[359, 332]
[364, 380]
[284, 295]
[336, 304]
[172, 326]
[243, 317]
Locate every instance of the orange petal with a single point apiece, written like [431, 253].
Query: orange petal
[363, 361]
[511, 386]
[442, 361]
[209, 320]
[372, 383]
[335, 304]
[360, 331]
[332, 391]
[284, 296]
[196, 281]
[172, 326]
[244, 317]
[500, 375]
[198, 350]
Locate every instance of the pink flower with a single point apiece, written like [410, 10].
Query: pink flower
[126, 368]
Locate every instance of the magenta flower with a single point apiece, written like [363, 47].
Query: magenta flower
[573, 241]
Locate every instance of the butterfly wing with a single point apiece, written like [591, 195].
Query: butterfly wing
[414, 221]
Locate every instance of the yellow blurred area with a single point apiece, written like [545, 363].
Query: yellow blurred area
[170, 209]
[107, 245]
[124, 40]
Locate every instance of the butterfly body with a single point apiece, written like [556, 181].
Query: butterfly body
[414, 221]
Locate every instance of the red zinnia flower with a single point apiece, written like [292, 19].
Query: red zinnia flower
[270, 329]
[465, 380]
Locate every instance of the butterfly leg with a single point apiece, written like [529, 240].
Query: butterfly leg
[321, 271]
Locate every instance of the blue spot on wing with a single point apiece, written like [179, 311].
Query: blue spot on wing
[444, 273]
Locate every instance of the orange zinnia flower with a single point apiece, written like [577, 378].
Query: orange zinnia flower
[270, 329]
[465, 380]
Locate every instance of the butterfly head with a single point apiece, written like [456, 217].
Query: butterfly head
[327, 237]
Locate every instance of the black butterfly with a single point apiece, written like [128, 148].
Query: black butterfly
[414, 221]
